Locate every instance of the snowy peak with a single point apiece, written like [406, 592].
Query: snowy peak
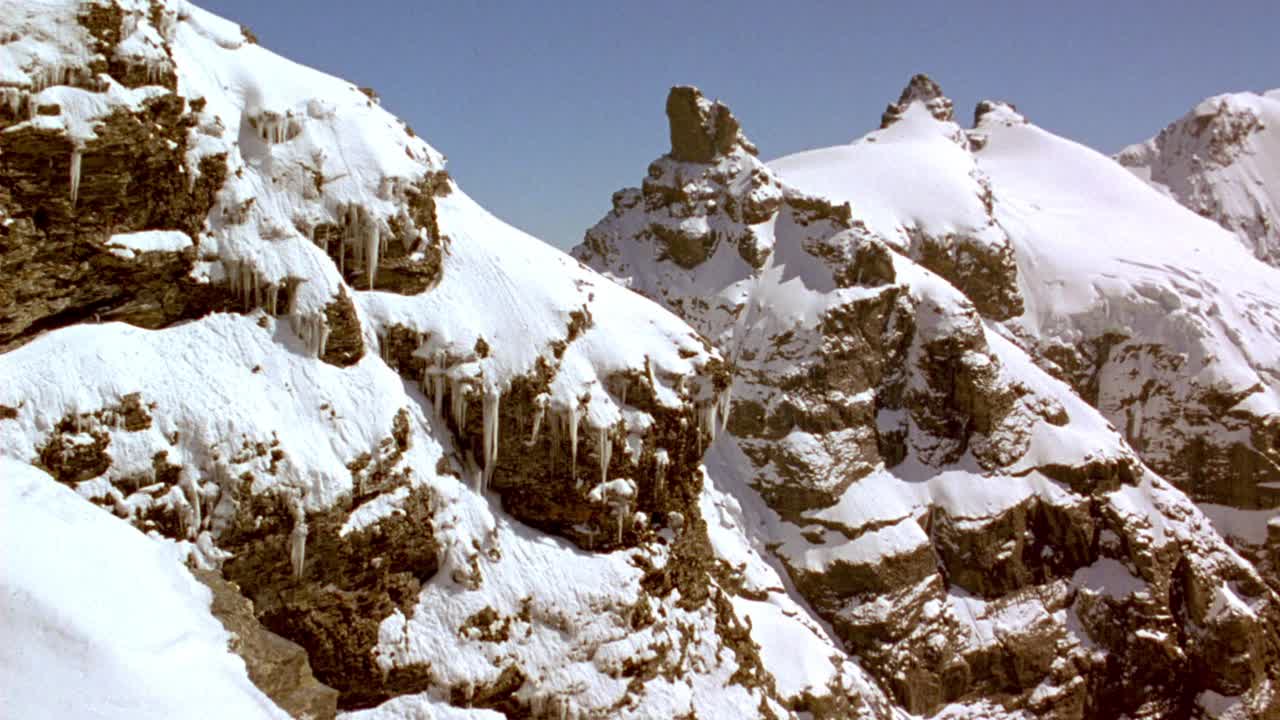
[920, 89]
[1222, 160]
[702, 130]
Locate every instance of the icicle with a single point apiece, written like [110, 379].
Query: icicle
[76, 154]
[372, 239]
[273, 295]
[298, 539]
[573, 440]
[606, 452]
[540, 404]
[458, 402]
[626, 383]
[725, 401]
[661, 460]
[554, 428]
[437, 386]
[298, 547]
[708, 421]
[233, 274]
[492, 399]
[193, 497]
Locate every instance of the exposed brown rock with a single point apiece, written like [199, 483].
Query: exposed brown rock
[278, 667]
[133, 178]
[346, 341]
[701, 130]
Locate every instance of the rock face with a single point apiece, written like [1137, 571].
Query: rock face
[1220, 160]
[930, 491]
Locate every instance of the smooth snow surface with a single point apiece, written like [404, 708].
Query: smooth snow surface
[101, 622]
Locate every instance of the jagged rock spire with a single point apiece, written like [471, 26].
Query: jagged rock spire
[702, 130]
[923, 89]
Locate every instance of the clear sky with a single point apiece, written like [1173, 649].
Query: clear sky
[544, 109]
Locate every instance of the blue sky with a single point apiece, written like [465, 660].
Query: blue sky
[546, 108]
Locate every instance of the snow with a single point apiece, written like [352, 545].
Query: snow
[868, 548]
[868, 174]
[1109, 577]
[306, 150]
[1087, 237]
[104, 622]
[419, 707]
[1249, 526]
[128, 245]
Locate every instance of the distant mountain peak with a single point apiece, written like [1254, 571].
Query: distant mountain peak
[1220, 160]
[923, 89]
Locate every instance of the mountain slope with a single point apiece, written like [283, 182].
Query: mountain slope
[980, 538]
[248, 311]
[1222, 160]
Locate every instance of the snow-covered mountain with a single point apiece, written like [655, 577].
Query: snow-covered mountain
[1155, 316]
[978, 535]
[1222, 160]
[418, 464]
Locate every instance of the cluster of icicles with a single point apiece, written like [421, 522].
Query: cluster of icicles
[561, 422]
[17, 103]
[359, 230]
[463, 384]
[274, 128]
[464, 381]
[255, 292]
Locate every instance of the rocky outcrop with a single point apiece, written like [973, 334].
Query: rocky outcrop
[276, 666]
[56, 237]
[701, 130]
